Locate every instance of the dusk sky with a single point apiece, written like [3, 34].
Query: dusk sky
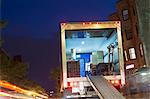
[33, 29]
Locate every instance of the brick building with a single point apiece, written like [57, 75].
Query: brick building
[143, 11]
[132, 44]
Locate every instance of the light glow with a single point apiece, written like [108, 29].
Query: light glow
[116, 82]
[112, 82]
[78, 56]
[10, 86]
[143, 74]
[68, 84]
[130, 66]
[79, 50]
[75, 84]
[71, 84]
[13, 96]
[97, 22]
[83, 43]
[63, 23]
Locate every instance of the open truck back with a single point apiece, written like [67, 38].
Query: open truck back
[91, 49]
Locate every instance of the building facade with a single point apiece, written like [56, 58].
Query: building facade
[132, 44]
[143, 11]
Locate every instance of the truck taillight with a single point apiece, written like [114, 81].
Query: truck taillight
[75, 84]
[83, 23]
[112, 82]
[63, 23]
[116, 82]
[68, 84]
[71, 84]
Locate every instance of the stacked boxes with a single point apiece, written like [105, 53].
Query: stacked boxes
[100, 57]
[97, 57]
[73, 68]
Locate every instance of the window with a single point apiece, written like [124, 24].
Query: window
[125, 55]
[128, 34]
[125, 14]
[141, 50]
[132, 53]
[130, 66]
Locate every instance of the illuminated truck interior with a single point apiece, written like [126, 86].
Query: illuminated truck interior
[92, 59]
[86, 48]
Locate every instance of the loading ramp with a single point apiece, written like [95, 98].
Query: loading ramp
[103, 88]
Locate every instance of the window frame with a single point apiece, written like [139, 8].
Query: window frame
[141, 49]
[132, 53]
[126, 55]
[124, 16]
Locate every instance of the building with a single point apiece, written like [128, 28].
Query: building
[133, 47]
[143, 11]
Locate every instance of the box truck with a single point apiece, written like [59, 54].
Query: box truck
[91, 48]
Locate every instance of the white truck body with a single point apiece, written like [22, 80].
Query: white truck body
[82, 81]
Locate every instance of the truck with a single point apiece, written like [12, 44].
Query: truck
[89, 49]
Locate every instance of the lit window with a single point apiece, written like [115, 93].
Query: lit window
[125, 14]
[132, 53]
[130, 66]
[141, 50]
[126, 57]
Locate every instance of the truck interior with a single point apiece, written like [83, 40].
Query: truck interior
[92, 51]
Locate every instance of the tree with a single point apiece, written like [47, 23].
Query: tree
[16, 72]
[2, 25]
[55, 75]
[31, 85]
[12, 71]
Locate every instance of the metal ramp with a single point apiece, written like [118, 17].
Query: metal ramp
[103, 89]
